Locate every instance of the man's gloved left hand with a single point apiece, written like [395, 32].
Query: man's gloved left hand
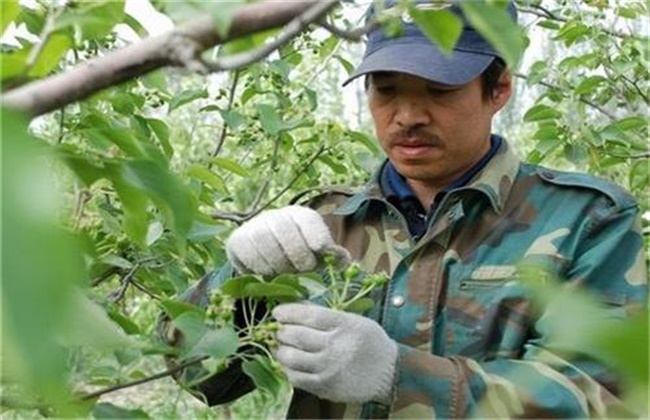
[335, 355]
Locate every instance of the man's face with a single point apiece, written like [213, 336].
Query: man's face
[433, 133]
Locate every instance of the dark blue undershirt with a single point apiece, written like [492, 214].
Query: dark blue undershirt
[399, 193]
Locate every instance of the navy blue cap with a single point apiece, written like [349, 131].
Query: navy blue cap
[413, 53]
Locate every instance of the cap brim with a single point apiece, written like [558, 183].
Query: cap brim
[425, 61]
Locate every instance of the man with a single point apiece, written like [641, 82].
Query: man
[449, 216]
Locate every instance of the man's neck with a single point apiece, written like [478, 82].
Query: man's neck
[427, 190]
[424, 191]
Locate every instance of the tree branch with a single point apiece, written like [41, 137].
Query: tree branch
[580, 97]
[354, 35]
[293, 28]
[538, 10]
[179, 46]
[118, 295]
[160, 375]
[240, 217]
[224, 129]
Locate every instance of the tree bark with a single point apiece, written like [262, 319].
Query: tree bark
[177, 47]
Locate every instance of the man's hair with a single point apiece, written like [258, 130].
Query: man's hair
[489, 77]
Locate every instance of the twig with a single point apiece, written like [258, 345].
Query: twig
[541, 11]
[224, 128]
[146, 291]
[354, 35]
[239, 217]
[104, 276]
[264, 188]
[160, 375]
[37, 48]
[290, 31]
[118, 295]
[637, 88]
[61, 121]
[580, 97]
[82, 198]
[643, 155]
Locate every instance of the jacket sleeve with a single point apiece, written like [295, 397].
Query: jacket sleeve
[609, 262]
[219, 388]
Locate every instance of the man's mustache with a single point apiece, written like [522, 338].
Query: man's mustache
[414, 135]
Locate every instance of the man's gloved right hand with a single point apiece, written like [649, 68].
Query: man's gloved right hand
[290, 239]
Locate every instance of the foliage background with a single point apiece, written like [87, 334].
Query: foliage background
[129, 195]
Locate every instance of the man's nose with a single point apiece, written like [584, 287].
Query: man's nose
[412, 112]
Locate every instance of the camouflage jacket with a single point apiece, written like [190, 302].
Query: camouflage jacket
[469, 340]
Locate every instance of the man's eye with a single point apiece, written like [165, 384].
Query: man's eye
[437, 91]
[385, 90]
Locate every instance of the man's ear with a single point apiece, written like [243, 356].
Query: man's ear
[503, 90]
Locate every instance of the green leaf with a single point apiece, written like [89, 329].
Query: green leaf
[87, 171]
[548, 132]
[230, 165]
[175, 308]
[87, 324]
[161, 129]
[192, 326]
[224, 14]
[117, 261]
[541, 112]
[210, 178]
[201, 232]
[218, 343]
[187, 97]
[629, 124]
[154, 232]
[54, 49]
[10, 9]
[548, 24]
[92, 19]
[271, 122]
[164, 188]
[335, 166]
[265, 377]
[440, 26]
[575, 153]
[236, 286]
[13, 63]
[626, 12]
[233, 119]
[272, 290]
[571, 32]
[496, 25]
[589, 84]
[246, 43]
[106, 410]
[39, 268]
[349, 67]
[367, 141]
[360, 306]
[134, 204]
[537, 72]
[127, 324]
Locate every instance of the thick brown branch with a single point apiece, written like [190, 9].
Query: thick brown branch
[138, 59]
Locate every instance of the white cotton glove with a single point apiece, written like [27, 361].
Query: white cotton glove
[290, 239]
[338, 356]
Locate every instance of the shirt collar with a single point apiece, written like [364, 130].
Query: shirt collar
[395, 187]
[492, 176]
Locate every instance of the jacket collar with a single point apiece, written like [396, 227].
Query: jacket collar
[494, 182]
